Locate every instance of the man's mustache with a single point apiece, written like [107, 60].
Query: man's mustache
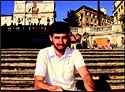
[61, 44]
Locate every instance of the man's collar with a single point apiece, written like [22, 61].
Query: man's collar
[68, 51]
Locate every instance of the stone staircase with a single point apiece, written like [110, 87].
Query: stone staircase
[18, 64]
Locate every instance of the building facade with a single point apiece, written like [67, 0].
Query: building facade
[31, 12]
[89, 17]
[119, 11]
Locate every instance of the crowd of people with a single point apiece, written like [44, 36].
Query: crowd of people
[109, 45]
[79, 41]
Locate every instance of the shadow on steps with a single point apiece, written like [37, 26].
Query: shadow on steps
[100, 85]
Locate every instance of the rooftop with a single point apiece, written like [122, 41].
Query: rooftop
[91, 9]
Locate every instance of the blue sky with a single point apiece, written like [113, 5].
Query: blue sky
[62, 7]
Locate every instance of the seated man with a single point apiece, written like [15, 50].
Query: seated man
[56, 65]
[108, 45]
[95, 45]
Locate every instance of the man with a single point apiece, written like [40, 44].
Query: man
[78, 41]
[95, 45]
[72, 40]
[122, 42]
[84, 41]
[55, 66]
[108, 45]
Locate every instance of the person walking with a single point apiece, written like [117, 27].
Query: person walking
[84, 41]
[122, 42]
[78, 41]
[72, 40]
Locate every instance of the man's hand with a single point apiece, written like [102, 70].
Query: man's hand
[40, 84]
[55, 88]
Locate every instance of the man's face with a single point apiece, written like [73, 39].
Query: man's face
[77, 36]
[60, 41]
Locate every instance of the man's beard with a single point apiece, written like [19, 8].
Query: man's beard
[60, 50]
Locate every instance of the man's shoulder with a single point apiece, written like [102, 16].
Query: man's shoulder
[73, 51]
[45, 50]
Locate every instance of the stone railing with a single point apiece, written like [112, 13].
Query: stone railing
[100, 29]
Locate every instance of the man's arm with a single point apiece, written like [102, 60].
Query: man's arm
[40, 72]
[87, 79]
[40, 84]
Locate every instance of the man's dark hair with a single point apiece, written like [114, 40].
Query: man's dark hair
[78, 34]
[59, 27]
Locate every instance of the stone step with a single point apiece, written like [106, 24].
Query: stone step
[98, 60]
[19, 52]
[86, 59]
[117, 88]
[31, 71]
[85, 56]
[103, 53]
[25, 88]
[101, 50]
[119, 85]
[32, 64]
[35, 52]
[31, 82]
[18, 66]
[7, 49]
[37, 49]
[31, 78]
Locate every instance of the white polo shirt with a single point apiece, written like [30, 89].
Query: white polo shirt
[59, 71]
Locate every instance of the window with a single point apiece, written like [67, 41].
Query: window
[115, 13]
[87, 24]
[90, 14]
[86, 13]
[87, 19]
[95, 21]
[95, 16]
[91, 20]
[121, 7]
[114, 7]
[12, 18]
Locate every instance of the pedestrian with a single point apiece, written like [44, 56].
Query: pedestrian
[56, 65]
[87, 40]
[72, 40]
[95, 45]
[84, 41]
[122, 42]
[108, 45]
[78, 41]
